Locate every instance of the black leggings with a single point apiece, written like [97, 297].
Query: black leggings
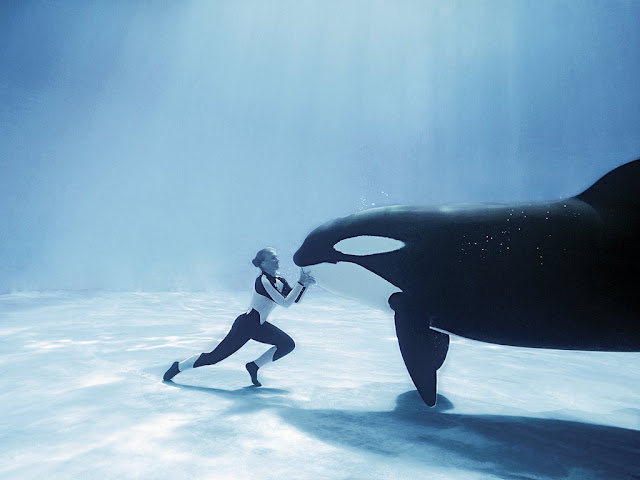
[247, 327]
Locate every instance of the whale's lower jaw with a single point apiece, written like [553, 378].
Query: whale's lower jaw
[353, 281]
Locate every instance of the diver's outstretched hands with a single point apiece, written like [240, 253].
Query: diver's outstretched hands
[306, 278]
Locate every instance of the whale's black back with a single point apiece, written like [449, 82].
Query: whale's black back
[571, 278]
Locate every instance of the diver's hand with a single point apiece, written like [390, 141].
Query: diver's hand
[306, 278]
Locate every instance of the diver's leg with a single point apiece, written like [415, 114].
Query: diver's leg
[282, 343]
[236, 338]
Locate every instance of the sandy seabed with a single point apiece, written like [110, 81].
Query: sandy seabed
[82, 398]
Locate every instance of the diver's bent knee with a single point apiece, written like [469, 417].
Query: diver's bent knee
[284, 348]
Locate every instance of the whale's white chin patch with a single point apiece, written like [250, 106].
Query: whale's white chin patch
[368, 245]
[353, 281]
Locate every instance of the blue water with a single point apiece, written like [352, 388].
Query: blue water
[149, 145]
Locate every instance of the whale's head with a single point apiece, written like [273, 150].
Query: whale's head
[352, 238]
[370, 256]
[350, 256]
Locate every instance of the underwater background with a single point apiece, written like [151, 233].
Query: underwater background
[158, 145]
[149, 148]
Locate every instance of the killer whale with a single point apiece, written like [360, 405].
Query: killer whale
[563, 274]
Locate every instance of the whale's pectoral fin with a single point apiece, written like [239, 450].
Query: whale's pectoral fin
[423, 349]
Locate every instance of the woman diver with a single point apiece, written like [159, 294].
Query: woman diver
[269, 290]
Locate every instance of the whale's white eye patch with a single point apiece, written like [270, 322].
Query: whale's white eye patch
[368, 245]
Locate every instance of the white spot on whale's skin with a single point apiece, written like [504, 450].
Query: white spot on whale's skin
[368, 245]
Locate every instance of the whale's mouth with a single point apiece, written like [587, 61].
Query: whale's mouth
[298, 258]
[309, 254]
[302, 259]
[353, 281]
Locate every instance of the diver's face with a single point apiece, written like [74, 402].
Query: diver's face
[270, 262]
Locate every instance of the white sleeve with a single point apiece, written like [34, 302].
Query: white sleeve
[277, 297]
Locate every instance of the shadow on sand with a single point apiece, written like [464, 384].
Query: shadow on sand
[247, 399]
[505, 446]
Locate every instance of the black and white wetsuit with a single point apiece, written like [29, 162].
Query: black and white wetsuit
[269, 291]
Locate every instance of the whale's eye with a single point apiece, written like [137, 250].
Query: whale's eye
[368, 245]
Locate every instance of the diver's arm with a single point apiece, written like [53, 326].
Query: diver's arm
[306, 280]
[277, 297]
[301, 294]
[303, 279]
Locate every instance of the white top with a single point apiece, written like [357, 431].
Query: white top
[264, 305]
